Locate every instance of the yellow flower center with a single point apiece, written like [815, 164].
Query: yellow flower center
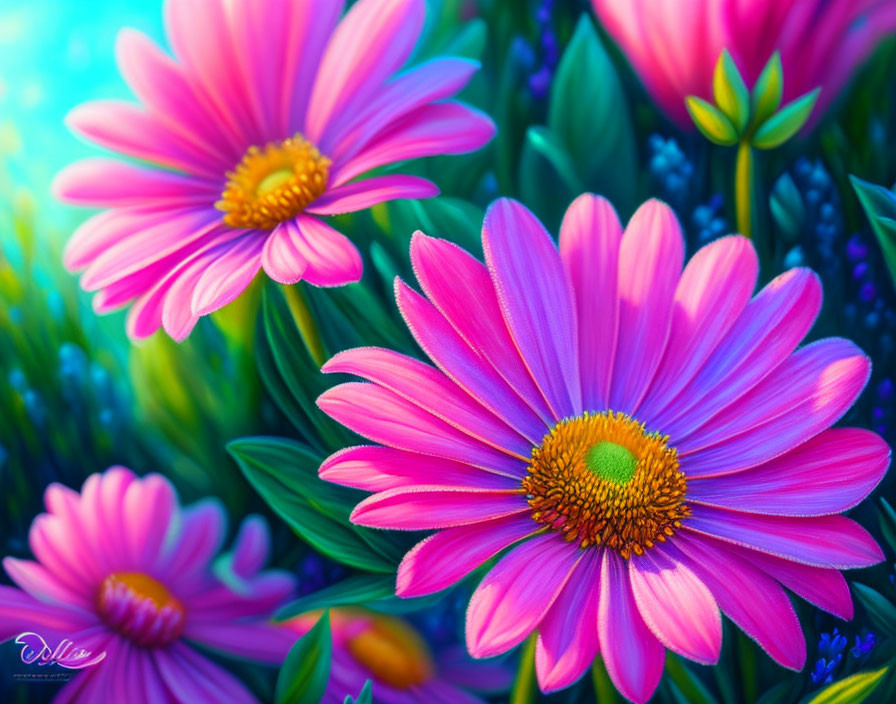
[393, 652]
[273, 184]
[601, 479]
[141, 608]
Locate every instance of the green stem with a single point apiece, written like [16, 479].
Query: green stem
[523, 691]
[743, 188]
[604, 691]
[301, 313]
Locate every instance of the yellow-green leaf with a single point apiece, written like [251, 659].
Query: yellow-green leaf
[852, 690]
[768, 90]
[731, 92]
[786, 122]
[711, 121]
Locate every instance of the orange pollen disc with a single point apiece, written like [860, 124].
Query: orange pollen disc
[393, 652]
[601, 479]
[273, 184]
[141, 608]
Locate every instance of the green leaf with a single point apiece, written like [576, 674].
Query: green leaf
[768, 90]
[359, 590]
[365, 697]
[881, 612]
[880, 207]
[306, 670]
[731, 92]
[589, 114]
[284, 473]
[548, 178]
[690, 686]
[786, 122]
[786, 205]
[888, 523]
[851, 690]
[711, 121]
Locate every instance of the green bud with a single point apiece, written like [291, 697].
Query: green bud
[730, 92]
[711, 121]
[786, 122]
[768, 89]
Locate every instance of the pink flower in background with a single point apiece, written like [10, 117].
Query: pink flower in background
[648, 442]
[389, 652]
[263, 121]
[674, 46]
[122, 568]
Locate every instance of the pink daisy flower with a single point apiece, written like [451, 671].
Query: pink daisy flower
[674, 46]
[122, 568]
[262, 122]
[649, 443]
[390, 653]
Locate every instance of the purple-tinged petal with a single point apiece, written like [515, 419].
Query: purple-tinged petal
[676, 605]
[823, 541]
[282, 257]
[197, 541]
[35, 579]
[228, 276]
[427, 507]
[150, 504]
[567, 638]
[589, 245]
[360, 195]
[190, 677]
[827, 474]
[451, 554]
[331, 258]
[632, 654]
[651, 255]
[514, 596]
[537, 301]
[20, 612]
[254, 641]
[252, 546]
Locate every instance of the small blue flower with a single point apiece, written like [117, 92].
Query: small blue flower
[864, 645]
[823, 673]
[830, 645]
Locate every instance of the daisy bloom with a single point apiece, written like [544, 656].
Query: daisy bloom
[389, 652]
[674, 46]
[648, 443]
[123, 569]
[262, 122]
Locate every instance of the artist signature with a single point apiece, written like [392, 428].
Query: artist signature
[35, 650]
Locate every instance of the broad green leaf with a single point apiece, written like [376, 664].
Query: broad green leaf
[768, 90]
[359, 589]
[879, 608]
[364, 697]
[786, 122]
[852, 690]
[712, 122]
[731, 92]
[589, 114]
[548, 178]
[888, 522]
[880, 207]
[285, 475]
[306, 670]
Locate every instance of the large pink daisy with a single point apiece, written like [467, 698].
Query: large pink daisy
[262, 123]
[123, 569]
[649, 443]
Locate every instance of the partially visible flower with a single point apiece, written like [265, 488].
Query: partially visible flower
[864, 645]
[831, 645]
[122, 568]
[263, 121]
[674, 46]
[388, 651]
[644, 446]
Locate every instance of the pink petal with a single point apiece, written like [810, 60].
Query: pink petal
[764, 335]
[20, 612]
[537, 301]
[432, 391]
[823, 541]
[281, 257]
[331, 258]
[650, 258]
[676, 605]
[805, 395]
[829, 473]
[567, 637]
[371, 42]
[190, 677]
[252, 546]
[35, 579]
[589, 245]
[439, 128]
[253, 641]
[384, 417]
[364, 194]
[475, 315]
[451, 554]
[514, 596]
[150, 505]
[714, 289]
[228, 276]
[375, 468]
[426, 507]
[632, 654]
[748, 596]
[200, 537]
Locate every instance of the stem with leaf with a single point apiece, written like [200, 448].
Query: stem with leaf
[304, 318]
